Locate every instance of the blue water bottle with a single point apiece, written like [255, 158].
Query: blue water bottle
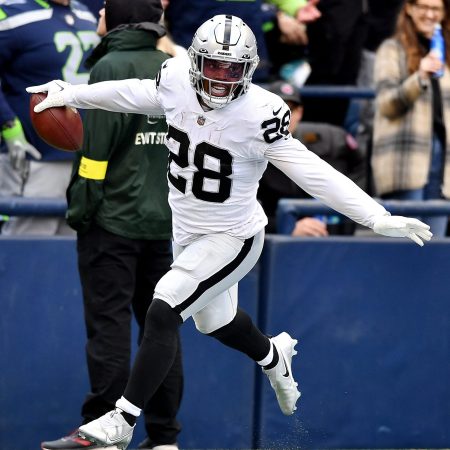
[437, 45]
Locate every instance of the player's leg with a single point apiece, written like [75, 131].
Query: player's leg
[233, 327]
[204, 269]
[154, 358]
[200, 272]
[160, 413]
[220, 317]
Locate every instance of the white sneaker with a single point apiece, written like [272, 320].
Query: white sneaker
[110, 430]
[280, 376]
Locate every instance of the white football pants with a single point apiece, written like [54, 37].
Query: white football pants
[203, 280]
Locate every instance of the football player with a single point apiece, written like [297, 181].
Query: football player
[222, 132]
[38, 40]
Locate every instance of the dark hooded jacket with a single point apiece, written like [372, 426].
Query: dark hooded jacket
[119, 177]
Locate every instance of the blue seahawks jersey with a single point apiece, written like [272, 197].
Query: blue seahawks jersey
[41, 41]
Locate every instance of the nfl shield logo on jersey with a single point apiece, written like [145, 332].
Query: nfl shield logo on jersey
[201, 120]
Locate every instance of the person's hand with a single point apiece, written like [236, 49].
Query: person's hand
[18, 148]
[56, 91]
[429, 64]
[292, 32]
[308, 226]
[308, 13]
[398, 226]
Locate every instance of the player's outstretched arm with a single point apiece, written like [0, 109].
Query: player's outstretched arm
[399, 226]
[336, 190]
[125, 96]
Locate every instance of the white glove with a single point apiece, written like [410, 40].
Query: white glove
[56, 94]
[398, 226]
[18, 148]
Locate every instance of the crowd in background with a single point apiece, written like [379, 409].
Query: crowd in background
[315, 43]
[122, 250]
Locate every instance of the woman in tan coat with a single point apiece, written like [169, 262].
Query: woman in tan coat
[411, 142]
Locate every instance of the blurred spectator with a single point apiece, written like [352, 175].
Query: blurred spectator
[335, 46]
[183, 19]
[411, 142]
[118, 203]
[329, 142]
[341, 52]
[165, 43]
[303, 11]
[382, 21]
[38, 41]
[285, 39]
[359, 120]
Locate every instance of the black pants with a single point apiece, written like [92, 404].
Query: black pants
[119, 275]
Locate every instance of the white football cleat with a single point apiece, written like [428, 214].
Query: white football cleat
[280, 376]
[110, 430]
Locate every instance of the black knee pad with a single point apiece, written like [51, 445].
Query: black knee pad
[161, 322]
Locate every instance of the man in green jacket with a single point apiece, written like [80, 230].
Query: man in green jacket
[118, 205]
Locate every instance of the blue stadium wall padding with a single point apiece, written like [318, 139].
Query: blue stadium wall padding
[43, 376]
[372, 317]
[373, 321]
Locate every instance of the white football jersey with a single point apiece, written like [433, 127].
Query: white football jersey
[217, 157]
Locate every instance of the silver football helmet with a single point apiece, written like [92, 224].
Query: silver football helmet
[223, 58]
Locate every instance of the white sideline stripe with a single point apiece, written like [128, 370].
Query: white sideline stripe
[25, 18]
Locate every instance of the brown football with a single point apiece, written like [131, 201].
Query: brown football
[60, 127]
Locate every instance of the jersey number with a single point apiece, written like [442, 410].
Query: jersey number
[78, 44]
[276, 128]
[202, 151]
